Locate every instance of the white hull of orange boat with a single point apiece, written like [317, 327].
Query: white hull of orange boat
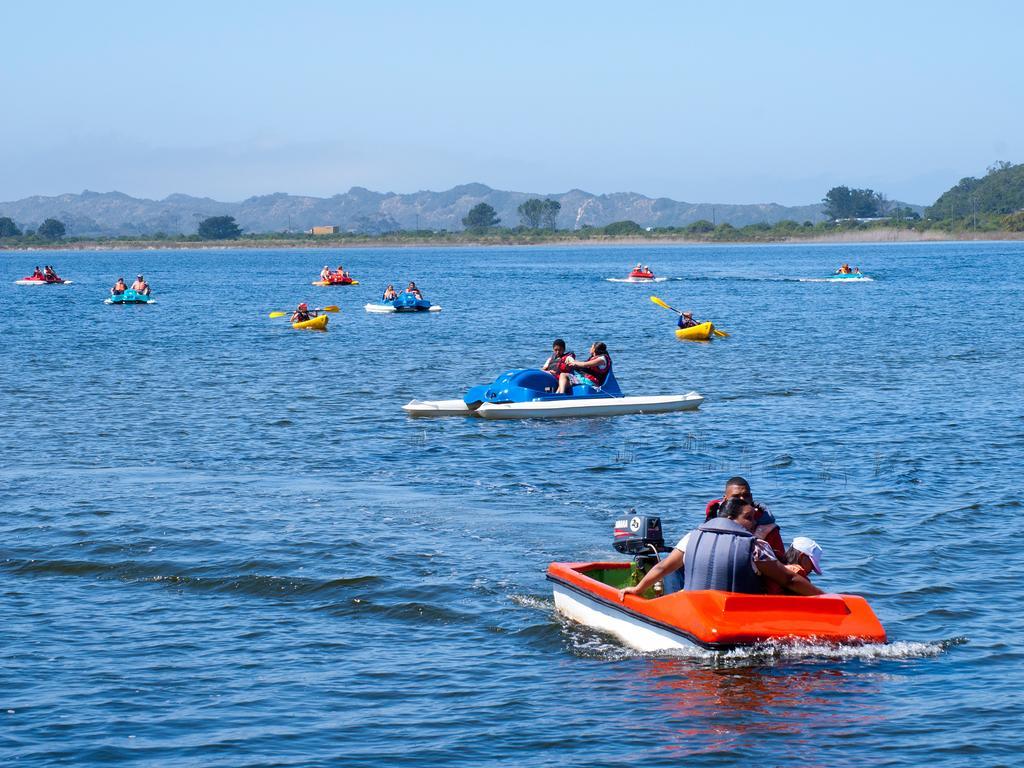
[632, 631]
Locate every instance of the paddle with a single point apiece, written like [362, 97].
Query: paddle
[332, 308]
[661, 303]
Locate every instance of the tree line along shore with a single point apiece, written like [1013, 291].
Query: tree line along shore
[989, 208]
[873, 234]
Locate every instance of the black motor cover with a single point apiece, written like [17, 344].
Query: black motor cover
[637, 534]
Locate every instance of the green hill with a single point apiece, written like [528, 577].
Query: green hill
[998, 193]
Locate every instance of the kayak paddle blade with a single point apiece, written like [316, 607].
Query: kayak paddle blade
[661, 303]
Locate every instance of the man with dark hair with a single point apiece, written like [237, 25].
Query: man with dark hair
[559, 365]
[767, 529]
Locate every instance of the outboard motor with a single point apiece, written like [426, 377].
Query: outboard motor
[641, 536]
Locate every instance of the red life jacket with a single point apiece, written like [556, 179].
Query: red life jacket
[598, 375]
[558, 366]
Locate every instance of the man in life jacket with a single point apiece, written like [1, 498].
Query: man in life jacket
[767, 528]
[302, 314]
[50, 276]
[723, 554]
[414, 290]
[37, 274]
[686, 320]
[140, 285]
[119, 287]
[596, 369]
[559, 365]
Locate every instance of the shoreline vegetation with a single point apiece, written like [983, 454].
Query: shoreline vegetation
[989, 208]
[836, 234]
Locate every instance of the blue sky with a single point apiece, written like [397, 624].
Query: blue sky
[726, 102]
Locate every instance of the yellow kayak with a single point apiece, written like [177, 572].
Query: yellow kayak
[700, 332]
[318, 323]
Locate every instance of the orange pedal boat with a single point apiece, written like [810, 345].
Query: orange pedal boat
[673, 620]
[589, 593]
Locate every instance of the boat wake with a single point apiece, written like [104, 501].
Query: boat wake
[640, 280]
[781, 651]
[590, 643]
[864, 279]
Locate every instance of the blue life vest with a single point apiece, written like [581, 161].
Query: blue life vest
[718, 556]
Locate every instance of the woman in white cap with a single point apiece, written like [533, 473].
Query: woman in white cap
[804, 556]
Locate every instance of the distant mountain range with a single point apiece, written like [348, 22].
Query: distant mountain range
[360, 210]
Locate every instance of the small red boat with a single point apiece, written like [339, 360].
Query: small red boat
[710, 619]
[336, 280]
[40, 281]
[639, 274]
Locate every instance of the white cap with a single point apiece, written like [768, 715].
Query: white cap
[810, 548]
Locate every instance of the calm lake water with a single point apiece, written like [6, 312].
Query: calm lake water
[222, 543]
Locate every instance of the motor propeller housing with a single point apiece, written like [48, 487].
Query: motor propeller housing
[638, 535]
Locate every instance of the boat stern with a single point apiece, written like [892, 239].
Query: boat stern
[589, 593]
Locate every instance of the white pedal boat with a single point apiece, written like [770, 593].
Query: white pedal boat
[529, 394]
[390, 308]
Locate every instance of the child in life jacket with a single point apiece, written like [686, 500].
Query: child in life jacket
[559, 365]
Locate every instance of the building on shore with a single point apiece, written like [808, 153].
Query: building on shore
[331, 230]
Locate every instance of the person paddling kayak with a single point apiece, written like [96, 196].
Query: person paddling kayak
[303, 313]
[686, 320]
